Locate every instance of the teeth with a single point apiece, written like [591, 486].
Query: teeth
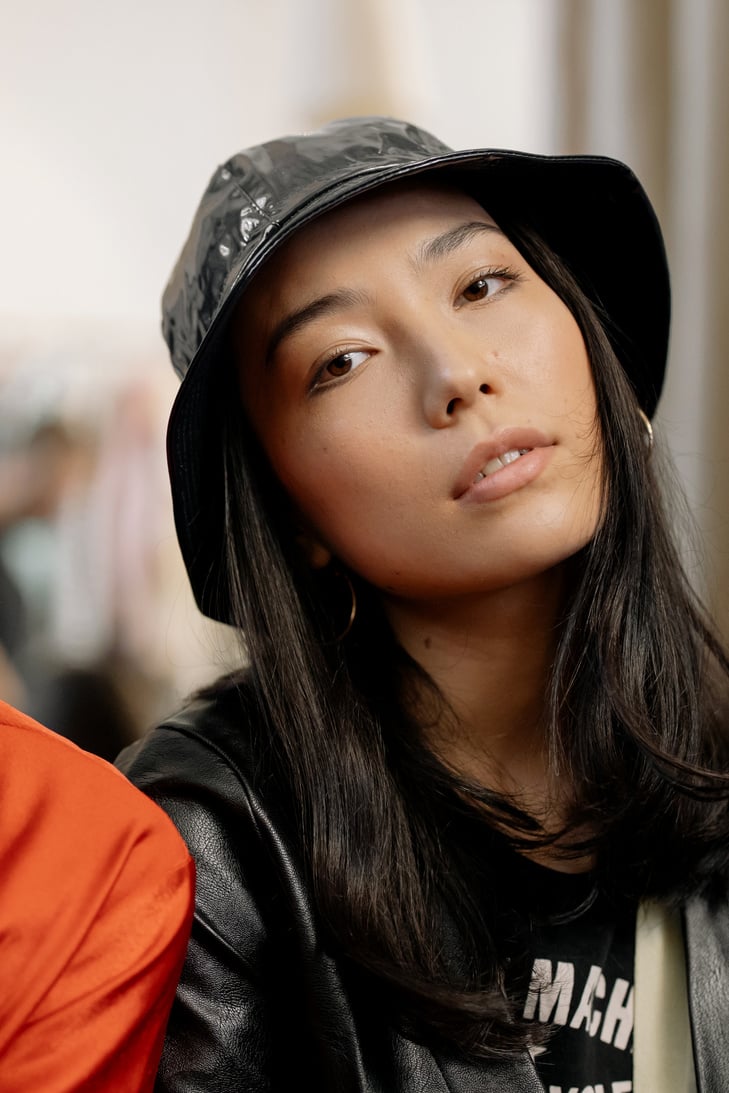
[499, 462]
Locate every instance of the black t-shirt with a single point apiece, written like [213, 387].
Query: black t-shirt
[581, 948]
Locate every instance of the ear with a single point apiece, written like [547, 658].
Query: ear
[317, 555]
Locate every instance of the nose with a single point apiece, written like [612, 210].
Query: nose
[454, 379]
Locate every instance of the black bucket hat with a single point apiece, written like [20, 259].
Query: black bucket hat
[590, 210]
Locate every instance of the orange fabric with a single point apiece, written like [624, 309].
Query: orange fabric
[96, 895]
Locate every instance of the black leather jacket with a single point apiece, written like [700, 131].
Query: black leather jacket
[262, 1005]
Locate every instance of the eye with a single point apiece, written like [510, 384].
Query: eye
[342, 364]
[488, 284]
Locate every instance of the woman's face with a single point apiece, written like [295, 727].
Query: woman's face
[425, 399]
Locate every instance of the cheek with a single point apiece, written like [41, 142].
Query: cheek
[342, 482]
[558, 354]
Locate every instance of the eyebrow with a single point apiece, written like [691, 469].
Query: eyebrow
[323, 305]
[451, 240]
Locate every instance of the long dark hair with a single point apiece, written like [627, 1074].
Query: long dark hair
[634, 719]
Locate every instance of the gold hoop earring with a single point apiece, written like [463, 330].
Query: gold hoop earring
[650, 440]
[353, 609]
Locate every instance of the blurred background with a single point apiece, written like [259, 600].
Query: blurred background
[112, 119]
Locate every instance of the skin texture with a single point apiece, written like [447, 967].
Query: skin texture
[370, 406]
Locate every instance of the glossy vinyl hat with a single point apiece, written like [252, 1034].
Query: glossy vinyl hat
[590, 210]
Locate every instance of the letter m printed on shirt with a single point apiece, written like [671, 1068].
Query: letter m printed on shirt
[550, 993]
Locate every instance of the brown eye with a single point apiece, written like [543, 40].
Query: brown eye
[483, 287]
[344, 363]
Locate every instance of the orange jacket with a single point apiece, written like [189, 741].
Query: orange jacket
[96, 894]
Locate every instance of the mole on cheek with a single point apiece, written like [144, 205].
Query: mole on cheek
[428, 642]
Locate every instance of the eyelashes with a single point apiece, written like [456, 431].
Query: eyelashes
[341, 363]
[500, 278]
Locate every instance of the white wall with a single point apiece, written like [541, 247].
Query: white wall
[112, 117]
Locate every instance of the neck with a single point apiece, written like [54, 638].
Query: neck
[490, 657]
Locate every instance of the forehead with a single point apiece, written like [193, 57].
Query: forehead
[400, 202]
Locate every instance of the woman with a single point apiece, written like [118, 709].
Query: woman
[483, 717]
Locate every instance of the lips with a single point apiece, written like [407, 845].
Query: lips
[501, 451]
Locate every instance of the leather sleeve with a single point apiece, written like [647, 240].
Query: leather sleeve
[706, 926]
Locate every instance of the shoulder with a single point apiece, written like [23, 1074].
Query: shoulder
[53, 790]
[202, 766]
[211, 745]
